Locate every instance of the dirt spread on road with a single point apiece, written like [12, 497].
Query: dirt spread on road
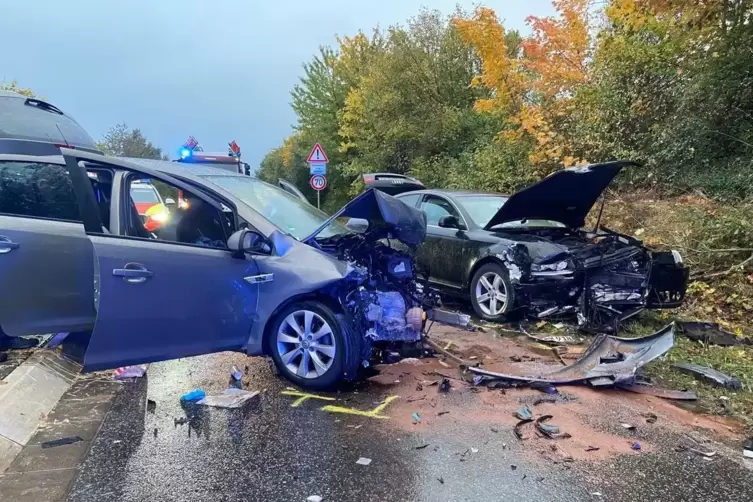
[601, 423]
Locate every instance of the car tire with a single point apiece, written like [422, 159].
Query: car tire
[496, 276]
[319, 363]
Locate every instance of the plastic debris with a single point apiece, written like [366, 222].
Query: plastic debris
[543, 387]
[710, 375]
[236, 378]
[524, 413]
[61, 442]
[478, 379]
[709, 333]
[518, 429]
[628, 427]
[446, 317]
[231, 398]
[636, 446]
[363, 461]
[445, 385]
[474, 450]
[549, 430]
[194, 395]
[151, 406]
[416, 417]
[126, 372]
[314, 498]
[650, 390]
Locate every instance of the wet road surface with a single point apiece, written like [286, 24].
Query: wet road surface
[271, 451]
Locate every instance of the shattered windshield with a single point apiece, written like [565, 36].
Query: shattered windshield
[285, 211]
[482, 208]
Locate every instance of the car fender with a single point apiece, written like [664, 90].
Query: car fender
[296, 271]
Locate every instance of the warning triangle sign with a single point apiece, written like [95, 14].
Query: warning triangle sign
[317, 154]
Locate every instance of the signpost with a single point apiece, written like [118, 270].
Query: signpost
[318, 182]
[317, 160]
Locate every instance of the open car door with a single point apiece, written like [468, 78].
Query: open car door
[161, 299]
[292, 189]
[391, 183]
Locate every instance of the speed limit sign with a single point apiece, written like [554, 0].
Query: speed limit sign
[318, 182]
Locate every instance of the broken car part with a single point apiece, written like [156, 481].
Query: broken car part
[710, 375]
[549, 430]
[650, 390]
[230, 398]
[710, 333]
[625, 356]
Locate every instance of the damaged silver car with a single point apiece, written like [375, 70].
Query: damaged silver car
[241, 266]
[529, 253]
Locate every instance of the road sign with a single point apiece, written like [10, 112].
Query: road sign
[235, 150]
[318, 182]
[317, 155]
[317, 168]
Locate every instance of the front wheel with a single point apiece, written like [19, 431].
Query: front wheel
[312, 347]
[492, 294]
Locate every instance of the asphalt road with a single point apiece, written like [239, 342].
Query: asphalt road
[271, 451]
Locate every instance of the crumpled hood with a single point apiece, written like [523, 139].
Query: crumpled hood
[385, 214]
[565, 196]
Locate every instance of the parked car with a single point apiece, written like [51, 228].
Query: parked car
[150, 206]
[31, 126]
[246, 267]
[530, 253]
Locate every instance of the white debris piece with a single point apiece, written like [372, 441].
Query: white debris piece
[314, 498]
[363, 461]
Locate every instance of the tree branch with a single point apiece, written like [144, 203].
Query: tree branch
[733, 268]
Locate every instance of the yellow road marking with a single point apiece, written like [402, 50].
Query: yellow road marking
[302, 396]
[371, 414]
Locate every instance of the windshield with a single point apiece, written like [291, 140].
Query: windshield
[22, 119]
[144, 195]
[482, 208]
[287, 212]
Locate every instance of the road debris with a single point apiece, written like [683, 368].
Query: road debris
[543, 387]
[441, 480]
[629, 427]
[650, 390]
[592, 448]
[636, 446]
[435, 346]
[363, 461]
[179, 421]
[650, 417]
[61, 442]
[707, 454]
[549, 430]
[421, 447]
[518, 429]
[442, 413]
[710, 333]
[513, 467]
[236, 378]
[314, 498]
[126, 372]
[599, 361]
[194, 395]
[524, 413]
[151, 406]
[445, 385]
[452, 318]
[231, 398]
[552, 339]
[710, 375]
[416, 417]
[748, 448]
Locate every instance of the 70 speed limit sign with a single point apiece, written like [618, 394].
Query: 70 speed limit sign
[318, 182]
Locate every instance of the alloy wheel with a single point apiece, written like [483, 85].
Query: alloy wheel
[306, 344]
[491, 294]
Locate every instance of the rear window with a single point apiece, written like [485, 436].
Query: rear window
[37, 190]
[21, 118]
[143, 195]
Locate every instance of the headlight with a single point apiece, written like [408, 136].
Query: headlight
[559, 268]
[161, 217]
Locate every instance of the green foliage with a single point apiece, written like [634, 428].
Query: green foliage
[120, 141]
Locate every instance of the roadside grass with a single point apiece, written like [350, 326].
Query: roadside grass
[736, 362]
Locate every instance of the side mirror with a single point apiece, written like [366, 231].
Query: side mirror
[450, 221]
[357, 225]
[169, 202]
[248, 241]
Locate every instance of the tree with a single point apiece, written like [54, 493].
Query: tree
[13, 87]
[120, 141]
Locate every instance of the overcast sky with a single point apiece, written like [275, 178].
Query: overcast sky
[215, 69]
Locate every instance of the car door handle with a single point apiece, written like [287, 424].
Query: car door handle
[133, 273]
[7, 245]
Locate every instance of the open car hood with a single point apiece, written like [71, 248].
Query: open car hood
[565, 196]
[385, 214]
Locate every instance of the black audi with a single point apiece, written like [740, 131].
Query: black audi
[530, 253]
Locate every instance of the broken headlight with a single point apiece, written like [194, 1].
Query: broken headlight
[560, 268]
